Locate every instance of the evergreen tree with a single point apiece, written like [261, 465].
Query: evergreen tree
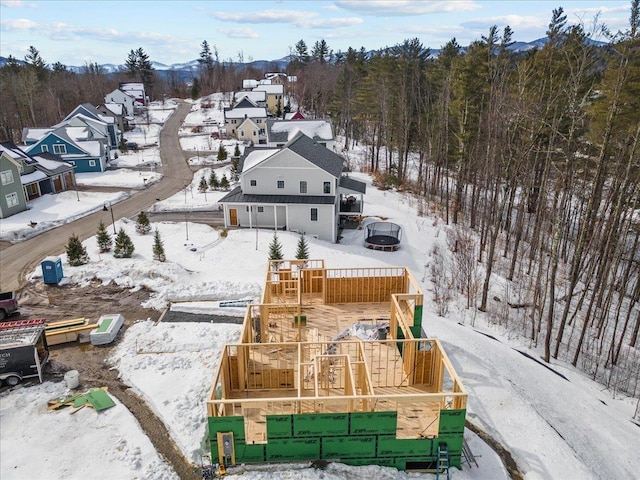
[34, 60]
[236, 151]
[302, 53]
[224, 182]
[158, 247]
[321, 52]
[142, 223]
[303, 249]
[139, 66]
[195, 89]
[103, 238]
[275, 248]
[203, 185]
[76, 253]
[222, 152]
[124, 246]
[213, 180]
[234, 168]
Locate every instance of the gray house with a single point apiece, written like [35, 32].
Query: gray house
[299, 187]
[12, 198]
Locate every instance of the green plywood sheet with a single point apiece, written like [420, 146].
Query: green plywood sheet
[249, 453]
[349, 447]
[417, 317]
[382, 423]
[389, 446]
[320, 424]
[98, 398]
[452, 421]
[293, 449]
[104, 325]
[226, 424]
[279, 426]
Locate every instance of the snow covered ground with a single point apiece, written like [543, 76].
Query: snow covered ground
[555, 421]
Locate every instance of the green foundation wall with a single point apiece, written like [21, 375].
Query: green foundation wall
[360, 438]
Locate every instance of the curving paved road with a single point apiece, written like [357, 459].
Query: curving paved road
[21, 258]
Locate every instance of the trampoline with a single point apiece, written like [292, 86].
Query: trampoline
[383, 236]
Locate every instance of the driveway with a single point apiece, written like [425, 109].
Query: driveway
[20, 259]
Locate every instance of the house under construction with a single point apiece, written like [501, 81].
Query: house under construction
[331, 365]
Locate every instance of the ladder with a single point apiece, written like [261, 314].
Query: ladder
[443, 461]
[469, 457]
[22, 323]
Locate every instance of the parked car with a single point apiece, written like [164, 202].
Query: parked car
[8, 304]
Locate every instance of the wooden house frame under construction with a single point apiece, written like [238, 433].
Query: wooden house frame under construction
[332, 365]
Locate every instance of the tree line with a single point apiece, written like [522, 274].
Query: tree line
[535, 153]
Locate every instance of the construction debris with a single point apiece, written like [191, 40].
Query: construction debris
[98, 398]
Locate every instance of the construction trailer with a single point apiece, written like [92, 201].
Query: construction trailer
[23, 350]
[331, 365]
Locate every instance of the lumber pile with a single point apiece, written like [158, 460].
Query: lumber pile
[97, 398]
[64, 331]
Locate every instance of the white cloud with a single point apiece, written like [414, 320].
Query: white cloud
[297, 18]
[514, 21]
[16, 4]
[406, 7]
[239, 32]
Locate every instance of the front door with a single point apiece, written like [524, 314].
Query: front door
[233, 217]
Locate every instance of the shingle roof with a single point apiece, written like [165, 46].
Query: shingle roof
[317, 154]
[236, 196]
[352, 184]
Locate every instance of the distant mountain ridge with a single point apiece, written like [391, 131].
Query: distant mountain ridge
[188, 69]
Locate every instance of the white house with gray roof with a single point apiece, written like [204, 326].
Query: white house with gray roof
[279, 132]
[300, 187]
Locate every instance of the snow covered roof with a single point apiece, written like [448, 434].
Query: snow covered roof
[254, 112]
[32, 177]
[34, 134]
[254, 96]
[249, 83]
[115, 108]
[270, 89]
[256, 157]
[282, 131]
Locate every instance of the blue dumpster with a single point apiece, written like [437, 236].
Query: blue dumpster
[52, 270]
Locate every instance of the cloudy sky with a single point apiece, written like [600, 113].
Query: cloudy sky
[75, 32]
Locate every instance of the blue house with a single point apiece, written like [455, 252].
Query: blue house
[79, 146]
[90, 114]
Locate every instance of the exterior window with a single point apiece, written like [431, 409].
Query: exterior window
[314, 214]
[233, 122]
[260, 209]
[258, 120]
[247, 207]
[60, 149]
[12, 199]
[303, 187]
[280, 183]
[44, 148]
[6, 177]
[242, 133]
[327, 187]
[92, 163]
[254, 183]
